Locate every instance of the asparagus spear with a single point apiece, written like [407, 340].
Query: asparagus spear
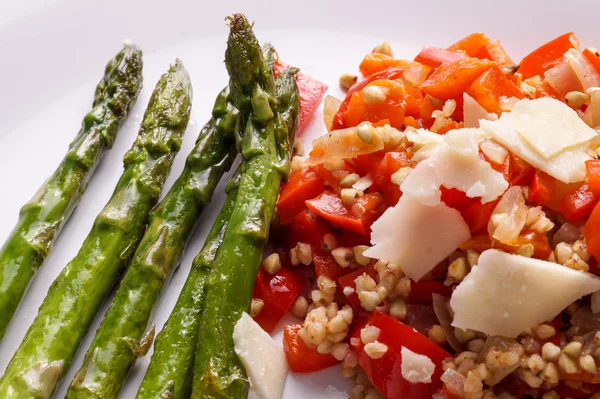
[170, 370]
[41, 220]
[118, 341]
[218, 373]
[169, 374]
[76, 295]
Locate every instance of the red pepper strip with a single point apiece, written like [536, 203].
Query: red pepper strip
[311, 93]
[593, 58]
[348, 281]
[385, 373]
[300, 357]
[305, 227]
[393, 73]
[451, 80]
[591, 232]
[490, 87]
[435, 56]
[541, 188]
[541, 245]
[421, 292]
[363, 213]
[301, 186]
[325, 265]
[546, 56]
[593, 173]
[278, 293]
[477, 215]
[472, 44]
[494, 51]
[578, 204]
[330, 207]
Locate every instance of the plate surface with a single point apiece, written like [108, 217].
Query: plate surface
[53, 52]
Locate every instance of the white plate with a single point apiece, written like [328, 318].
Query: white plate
[52, 53]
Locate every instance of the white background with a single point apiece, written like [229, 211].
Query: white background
[52, 53]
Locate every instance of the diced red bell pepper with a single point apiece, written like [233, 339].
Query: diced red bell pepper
[422, 292]
[377, 62]
[348, 281]
[494, 51]
[541, 188]
[392, 74]
[305, 227]
[301, 186]
[381, 173]
[578, 203]
[385, 373]
[392, 109]
[311, 93]
[450, 126]
[278, 293]
[592, 168]
[359, 218]
[325, 265]
[435, 56]
[300, 357]
[546, 56]
[477, 215]
[452, 80]
[593, 58]
[541, 245]
[591, 232]
[490, 86]
[456, 199]
[472, 44]
[516, 171]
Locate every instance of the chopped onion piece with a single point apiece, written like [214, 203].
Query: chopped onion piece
[563, 79]
[586, 319]
[585, 72]
[454, 382]
[416, 74]
[440, 307]
[566, 233]
[342, 144]
[331, 106]
[505, 345]
[473, 112]
[509, 216]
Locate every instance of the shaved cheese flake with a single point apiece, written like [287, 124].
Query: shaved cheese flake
[549, 126]
[262, 358]
[425, 142]
[417, 237]
[416, 368]
[557, 148]
[493, 151]
[473, 112]
[506, 294]
[456, 164]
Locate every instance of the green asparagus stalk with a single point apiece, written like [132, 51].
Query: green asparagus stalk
[170, 370]
[78, 292]
[119, 340]
[42, 218]
[169, 374]
[218, 373]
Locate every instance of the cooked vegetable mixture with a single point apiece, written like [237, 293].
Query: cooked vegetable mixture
[448, 226]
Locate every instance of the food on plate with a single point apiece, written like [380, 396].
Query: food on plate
[269, 113]
[78, 292]
[120, 338]
[439, 240]
[42, 218]
[449, 221]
